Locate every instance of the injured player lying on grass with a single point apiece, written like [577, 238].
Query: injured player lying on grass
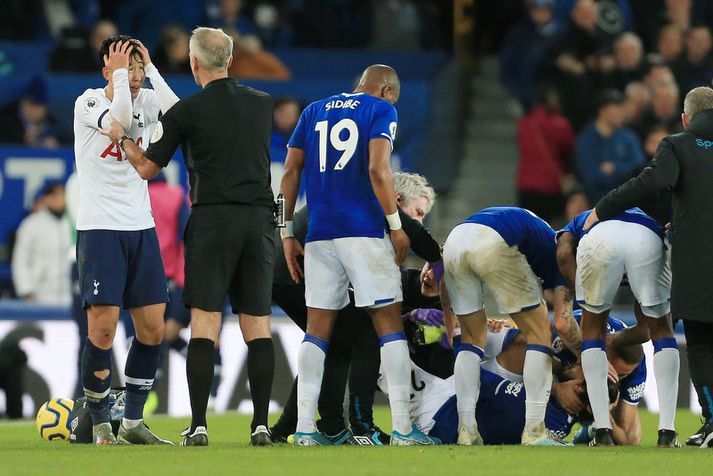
[501, 403]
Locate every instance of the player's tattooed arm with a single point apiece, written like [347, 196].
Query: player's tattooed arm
[567, 257]
[565, 324]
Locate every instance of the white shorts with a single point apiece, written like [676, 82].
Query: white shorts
[368, 263]
[612, 248]
[475, 256]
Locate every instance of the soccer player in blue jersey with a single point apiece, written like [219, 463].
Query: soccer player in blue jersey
[343, 143]
[596, 260]
[512, 252]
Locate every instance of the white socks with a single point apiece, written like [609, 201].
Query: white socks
[666, 368]
[467, 379]
[310, 368]
[596, 370]
[537, 377]
[396, 364]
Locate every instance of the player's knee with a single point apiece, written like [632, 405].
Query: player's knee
[152, 333]
[656, 311]
[102, 336]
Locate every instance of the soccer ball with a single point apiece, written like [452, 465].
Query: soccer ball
[53, 419]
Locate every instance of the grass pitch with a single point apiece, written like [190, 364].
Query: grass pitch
[23, 452]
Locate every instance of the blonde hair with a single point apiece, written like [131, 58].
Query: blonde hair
[211, 47]
[414, 186]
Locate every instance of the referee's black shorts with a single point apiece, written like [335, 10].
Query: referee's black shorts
[229, 250]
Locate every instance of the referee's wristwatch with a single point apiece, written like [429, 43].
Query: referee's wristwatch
[121, 141]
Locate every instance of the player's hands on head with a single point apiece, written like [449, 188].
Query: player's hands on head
[115, 132]
[144, 53]
[567, 395]
[118, 57]
[293, 248]
[401, 244]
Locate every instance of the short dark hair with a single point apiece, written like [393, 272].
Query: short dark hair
[104, 50]
[630, 353]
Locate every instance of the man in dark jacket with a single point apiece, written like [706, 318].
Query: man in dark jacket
[682, 172]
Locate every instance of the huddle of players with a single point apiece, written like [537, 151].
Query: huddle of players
[344, 145]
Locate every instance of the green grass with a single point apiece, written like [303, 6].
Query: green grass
[23, 452]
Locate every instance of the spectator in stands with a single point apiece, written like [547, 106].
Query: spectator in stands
[172, 54]
[615, 16]
[40, 261]
[653, 139]
[284, 119]
[628, 62]
[651, 20]
[576, 202]
[657, 73]
[84, 57]
[28, 120]
[665, 109]
[546, 142]
[695, 68]
[523, 50]
[573, 60]
[251, 61]
[638, 100]
[670, 43]
[396, 25]
[232, 17]
[607, 154]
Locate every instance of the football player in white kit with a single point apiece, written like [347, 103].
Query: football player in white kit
[631, 243]
[117, 248]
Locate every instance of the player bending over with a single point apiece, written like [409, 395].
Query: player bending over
[512, 252]
[596, 260]
[117, 249]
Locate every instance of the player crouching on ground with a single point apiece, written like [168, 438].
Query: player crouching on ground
[512, 252]
[117, 249]
[505, 353]
[596, 260]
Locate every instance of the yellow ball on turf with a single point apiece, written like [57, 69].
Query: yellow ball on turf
[53, 419]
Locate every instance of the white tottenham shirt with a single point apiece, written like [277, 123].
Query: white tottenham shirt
[428, 394]
[112, 195]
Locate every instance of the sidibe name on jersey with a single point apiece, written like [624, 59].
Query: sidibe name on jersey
[339, 104]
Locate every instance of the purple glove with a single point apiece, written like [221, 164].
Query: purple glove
[444, 342]
[437, 271]
[430, 317]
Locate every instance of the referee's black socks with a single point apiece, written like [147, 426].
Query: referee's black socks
[261, 369]
[199, 370]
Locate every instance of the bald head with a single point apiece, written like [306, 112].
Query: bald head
[697, 100]
[380, 81]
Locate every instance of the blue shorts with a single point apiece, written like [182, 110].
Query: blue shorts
[120, 268]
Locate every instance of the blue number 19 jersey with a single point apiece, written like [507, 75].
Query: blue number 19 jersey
[334, 134]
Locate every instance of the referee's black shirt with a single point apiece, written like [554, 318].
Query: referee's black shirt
[224, 132]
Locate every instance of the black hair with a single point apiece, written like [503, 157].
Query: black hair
[106, 44]
[585, 417]
[631, 353]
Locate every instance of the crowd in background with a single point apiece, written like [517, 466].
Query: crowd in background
[392, 24]
[600, 83]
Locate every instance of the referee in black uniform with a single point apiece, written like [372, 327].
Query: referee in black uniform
[224, 132]
[679, 178]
